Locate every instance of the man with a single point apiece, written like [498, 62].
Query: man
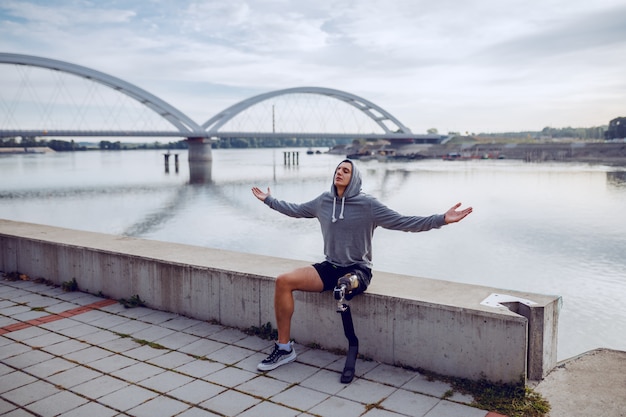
[348, 218]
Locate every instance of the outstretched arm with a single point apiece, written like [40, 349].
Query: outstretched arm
[258, 193]
[453, 215]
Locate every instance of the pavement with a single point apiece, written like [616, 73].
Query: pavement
[76, 354]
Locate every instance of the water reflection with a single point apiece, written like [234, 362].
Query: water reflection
[200, 172]
[616, 178]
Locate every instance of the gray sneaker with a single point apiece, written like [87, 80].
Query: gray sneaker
[276, 358]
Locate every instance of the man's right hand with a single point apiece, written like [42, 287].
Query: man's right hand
[258, 193]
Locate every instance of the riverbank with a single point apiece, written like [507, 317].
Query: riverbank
[20, 150]
[610, 153]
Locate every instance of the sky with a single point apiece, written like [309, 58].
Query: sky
[456, 66]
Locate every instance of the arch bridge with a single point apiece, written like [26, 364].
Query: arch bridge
[198, 135]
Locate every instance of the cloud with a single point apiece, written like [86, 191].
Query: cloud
[474, 65]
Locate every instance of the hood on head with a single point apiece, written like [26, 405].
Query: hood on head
[354, 186]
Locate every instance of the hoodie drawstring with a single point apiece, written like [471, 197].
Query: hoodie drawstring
[343, 199]
[333, 218]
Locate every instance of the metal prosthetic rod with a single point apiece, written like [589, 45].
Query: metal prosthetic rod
[345, 285]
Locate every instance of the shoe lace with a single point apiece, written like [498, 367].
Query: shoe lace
[274, 355]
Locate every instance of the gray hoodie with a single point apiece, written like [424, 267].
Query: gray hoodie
[348, 223]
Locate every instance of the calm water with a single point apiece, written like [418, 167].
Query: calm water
[547, 228]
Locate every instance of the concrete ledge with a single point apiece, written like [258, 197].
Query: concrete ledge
[435, 325]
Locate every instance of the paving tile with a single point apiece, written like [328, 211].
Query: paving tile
[179, 323]
[366, 392]
[422, 385]
[73, 376]
[377, 412]
[270, 409]
[27, 359]
[56, 404]
[170, 360]
[98, 338]
[335, 406]
[230, 403]
[159, 406]
[255, 343]
[4, 369]
[177, 340]
[300, 398]
[91, 354]
[13, 349]
[127, 398]
[60, 307]
[166, 381]
[228, 336]
[130, 327]
[58, 325]
[138, 372]
[105, 320]
[100, 386]
[92, 316]
[230, 355]
[202, 347]
[390, 375]
[91, 409]
[49, 367]
[66, 347]
[320, 358]
[409, 403]
[262, 386]
[361, 367]
[13, 380]
[230, 377]
[119, 345]
[152, 333]
[27, 333]
[293, 372]
[45, 339]
[143, 353]
[5, 407]
[27, 394]
[324, 381]
[197, 412]
[196, 391]
[204, 329]
[200, 368]
[450, 409]
[29, 315]
[112, 363]
[76, 331]
[13, 310]
[158, 317]
[131, 313]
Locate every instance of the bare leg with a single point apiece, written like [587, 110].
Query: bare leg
[301, 279]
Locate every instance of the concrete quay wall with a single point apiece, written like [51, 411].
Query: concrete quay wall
[449, 328]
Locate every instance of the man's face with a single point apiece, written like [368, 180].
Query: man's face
[343, 173]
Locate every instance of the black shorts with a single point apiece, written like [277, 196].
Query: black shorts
[331, 273]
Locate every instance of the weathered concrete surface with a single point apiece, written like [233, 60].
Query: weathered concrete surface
[435, 325]
[589, 385]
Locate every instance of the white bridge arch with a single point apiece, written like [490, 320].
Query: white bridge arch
[371, 110]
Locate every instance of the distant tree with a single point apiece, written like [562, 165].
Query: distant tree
[432, 131]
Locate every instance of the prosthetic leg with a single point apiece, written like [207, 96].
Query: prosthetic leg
[345, 285]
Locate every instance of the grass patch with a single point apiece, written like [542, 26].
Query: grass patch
[512, 399]
[70, 286]
[266, 331]
[134, 301]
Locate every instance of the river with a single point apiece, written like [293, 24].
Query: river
[552, 228]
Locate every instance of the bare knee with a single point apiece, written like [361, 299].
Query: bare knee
[284, 282]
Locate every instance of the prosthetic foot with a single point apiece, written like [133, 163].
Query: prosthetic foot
[345, 285]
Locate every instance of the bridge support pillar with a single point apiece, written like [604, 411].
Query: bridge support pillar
[200, 160]
[199, 150]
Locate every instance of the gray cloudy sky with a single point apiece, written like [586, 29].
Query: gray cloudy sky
[473, 65]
